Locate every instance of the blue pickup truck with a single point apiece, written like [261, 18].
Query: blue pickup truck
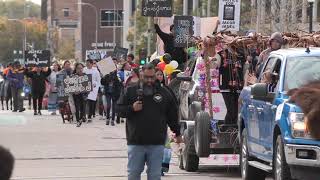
[271, 129]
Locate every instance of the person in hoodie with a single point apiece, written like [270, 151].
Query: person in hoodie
[38, 77]
[96, 80]
[16, 79]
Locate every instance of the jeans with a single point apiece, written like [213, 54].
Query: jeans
[139, 155]
[111, 105]
[91, 107]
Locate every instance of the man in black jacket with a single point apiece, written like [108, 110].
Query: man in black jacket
[177, 53]
[149, 109]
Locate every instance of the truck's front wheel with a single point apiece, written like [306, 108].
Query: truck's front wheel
[248, 172]
[281, 170]
[189, 157]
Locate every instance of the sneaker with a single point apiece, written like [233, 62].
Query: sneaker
[39, 112]
[122, 120]
[79, 123]
[89, 120]
[35, 113]
[14, 110]
[107, 122]
[112, 123]
[23, 109]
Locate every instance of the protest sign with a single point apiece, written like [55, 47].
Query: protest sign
[106, 66]
[229, 14]
[183, 28]
[60, 87]
[77, 84]
[37, 58]
[120, 53]
[157, 8]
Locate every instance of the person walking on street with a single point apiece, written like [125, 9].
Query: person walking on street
[38, 77]
[96, 80]
[134, 78]
[112, 89]
[131, 61]
[149, 109]
[53, 94]
[80, 98]
[16, 78]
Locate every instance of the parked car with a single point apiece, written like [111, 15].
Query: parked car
[272, 130]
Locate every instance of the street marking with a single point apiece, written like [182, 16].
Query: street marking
[12, 120]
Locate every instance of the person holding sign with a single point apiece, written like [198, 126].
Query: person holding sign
[38, 77]
[16, 78]
[96, 80]
[177, 53]
[80, 98]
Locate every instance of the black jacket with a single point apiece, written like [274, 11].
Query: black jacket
[38, 81]
[177, 53]
[149, 126]
[112, 85]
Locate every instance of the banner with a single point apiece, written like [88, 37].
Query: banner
[120, 53]
[37, 58]
[229, 14]
[183, 28]
[96, 54]
[60, 87]
[157, 8]
[77, 84]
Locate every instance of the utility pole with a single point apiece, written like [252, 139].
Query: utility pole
[149, 38]
[258, 16]
[185, 7]
[209, 8]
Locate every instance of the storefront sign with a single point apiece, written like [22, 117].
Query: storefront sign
[229, 14]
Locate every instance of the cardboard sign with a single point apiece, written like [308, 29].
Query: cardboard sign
[96, 54]
[229, 15]
[157, 8]
[120, 53]
[106, 66]
[183, 28]
[37, 58]
[60, 87]
[77, 84]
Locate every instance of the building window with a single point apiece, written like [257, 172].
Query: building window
[66, 12]
[111, 18]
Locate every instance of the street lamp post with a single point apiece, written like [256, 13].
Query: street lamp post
[97, 17]
[114, 25]
[310, 15]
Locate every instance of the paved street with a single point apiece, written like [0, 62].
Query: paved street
[47, 149]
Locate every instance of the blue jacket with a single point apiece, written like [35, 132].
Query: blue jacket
[16, 79]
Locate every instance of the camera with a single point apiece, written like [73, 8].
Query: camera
[140, 94]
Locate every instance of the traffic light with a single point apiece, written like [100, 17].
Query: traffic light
[142, 61]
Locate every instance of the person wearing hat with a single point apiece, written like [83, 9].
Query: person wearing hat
[275, 43]
[177, 53]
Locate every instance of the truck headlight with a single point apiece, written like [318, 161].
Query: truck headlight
[298, 125]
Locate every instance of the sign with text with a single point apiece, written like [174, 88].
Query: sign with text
[183, 28]
[229, 14]
[157, 8]
[60, 87]
[96, 54]
[120, 53]
[77, 84]
[37, 58]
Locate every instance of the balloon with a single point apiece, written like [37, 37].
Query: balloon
[168, 69]
[161, 65]
[174, 64]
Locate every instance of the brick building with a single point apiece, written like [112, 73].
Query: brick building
[110, 17]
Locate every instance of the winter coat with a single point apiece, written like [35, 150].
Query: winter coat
[16, 78]
[112, 85]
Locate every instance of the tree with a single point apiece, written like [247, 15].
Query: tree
[66, 49]
[19, 9]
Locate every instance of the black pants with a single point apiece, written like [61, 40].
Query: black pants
[91, 108]
[37, 101]
[17, 98]
[80, 105]
[111, 106]
[231, 101]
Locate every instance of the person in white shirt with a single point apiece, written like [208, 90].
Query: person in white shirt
[96, 82]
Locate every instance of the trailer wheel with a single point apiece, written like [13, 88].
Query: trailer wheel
[202, 134]
[189, 157]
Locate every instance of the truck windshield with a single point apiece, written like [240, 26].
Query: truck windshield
[301, 70]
